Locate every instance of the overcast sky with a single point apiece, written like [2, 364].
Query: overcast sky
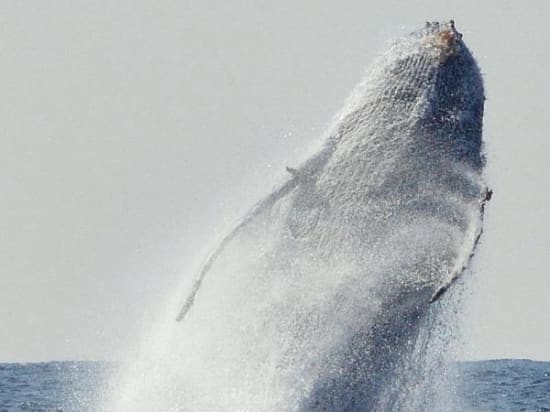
[132, 133]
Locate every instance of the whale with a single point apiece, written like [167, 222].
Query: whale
[329, 289]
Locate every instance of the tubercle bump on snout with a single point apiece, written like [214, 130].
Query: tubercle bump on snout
[444, 38]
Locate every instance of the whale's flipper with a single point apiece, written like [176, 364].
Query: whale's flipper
[299, 176]
[260, 207]
[462, 268]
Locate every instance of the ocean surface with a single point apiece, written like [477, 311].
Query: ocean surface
[493, 385]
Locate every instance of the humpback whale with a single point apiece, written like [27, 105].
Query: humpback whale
[318, 297]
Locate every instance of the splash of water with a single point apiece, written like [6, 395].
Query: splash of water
[320, 298]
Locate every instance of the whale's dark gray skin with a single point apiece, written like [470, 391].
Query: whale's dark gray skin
[328, 281]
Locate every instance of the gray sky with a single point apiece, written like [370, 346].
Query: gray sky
[134, 132]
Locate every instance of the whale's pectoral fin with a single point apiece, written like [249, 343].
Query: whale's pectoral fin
[462, 268]
[259, 208]
[298, 177]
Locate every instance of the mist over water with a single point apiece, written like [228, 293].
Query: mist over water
[319, 299]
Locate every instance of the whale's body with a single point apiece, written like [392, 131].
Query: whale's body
[317, 298]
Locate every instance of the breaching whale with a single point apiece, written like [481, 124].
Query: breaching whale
[318, 295]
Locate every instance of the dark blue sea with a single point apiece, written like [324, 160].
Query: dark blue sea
[494, 385]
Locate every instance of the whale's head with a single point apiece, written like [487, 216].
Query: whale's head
[431, 76]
